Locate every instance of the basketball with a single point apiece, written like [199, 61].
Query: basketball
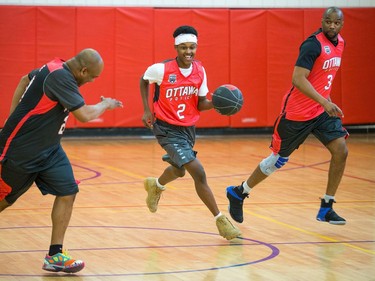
[227, 99]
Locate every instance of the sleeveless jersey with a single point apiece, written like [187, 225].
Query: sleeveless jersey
[33, 131]
[296, 105]
[176, 98]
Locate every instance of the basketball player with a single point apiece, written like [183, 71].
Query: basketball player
[307, 109]
[30, 148]
[180, 95]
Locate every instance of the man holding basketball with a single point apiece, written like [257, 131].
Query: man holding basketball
[30, 148]
[307, 109]
[180, 95]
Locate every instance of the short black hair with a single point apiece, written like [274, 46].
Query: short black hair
[185, 29]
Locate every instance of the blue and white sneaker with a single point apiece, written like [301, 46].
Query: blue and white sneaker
[236, 197]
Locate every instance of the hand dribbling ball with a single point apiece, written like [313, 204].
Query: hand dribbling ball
[227, 99]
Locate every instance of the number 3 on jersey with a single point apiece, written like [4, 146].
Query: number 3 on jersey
[181, 108]
[329, 78]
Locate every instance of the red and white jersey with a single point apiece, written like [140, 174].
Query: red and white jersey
[299, 107]
[177, 91]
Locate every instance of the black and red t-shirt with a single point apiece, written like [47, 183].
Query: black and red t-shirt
[33, 131]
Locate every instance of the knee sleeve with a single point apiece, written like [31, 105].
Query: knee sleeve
[272, 163]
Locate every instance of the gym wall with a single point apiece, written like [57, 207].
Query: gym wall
[254, 49]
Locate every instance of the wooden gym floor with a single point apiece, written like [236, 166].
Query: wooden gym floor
[119, 239]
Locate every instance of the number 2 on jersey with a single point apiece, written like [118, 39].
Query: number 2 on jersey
[181, 109]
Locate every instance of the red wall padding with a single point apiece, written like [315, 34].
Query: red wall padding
[254, 49]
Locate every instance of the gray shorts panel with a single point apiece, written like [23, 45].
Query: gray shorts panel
[177, 141]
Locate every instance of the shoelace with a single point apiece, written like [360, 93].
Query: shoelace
[65, 253]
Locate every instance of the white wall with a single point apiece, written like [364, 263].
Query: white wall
[197, 3]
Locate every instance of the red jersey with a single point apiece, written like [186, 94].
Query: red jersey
[299, 107]
[176, 99]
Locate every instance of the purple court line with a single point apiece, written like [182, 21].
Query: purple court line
[299, 166]
[96, 173]
[323, 242]
[274, 252]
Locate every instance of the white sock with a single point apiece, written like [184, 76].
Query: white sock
[218, 215]
[159, 185]
[246, 188]
[328, 197]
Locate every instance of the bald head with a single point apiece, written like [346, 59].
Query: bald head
[335, 10]
[86, 66]
[88, 57]
[332, 23]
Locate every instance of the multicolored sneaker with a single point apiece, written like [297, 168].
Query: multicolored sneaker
[153, 194]
[236, 197]
[327, 214]
[226, 228]
[62, 262]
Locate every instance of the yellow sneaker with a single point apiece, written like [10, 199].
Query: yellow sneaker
[153, 194]
[226, 228]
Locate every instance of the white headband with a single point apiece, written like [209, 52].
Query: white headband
[185, 37]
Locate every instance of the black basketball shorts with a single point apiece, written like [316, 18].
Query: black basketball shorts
[57, 179]
[288, 135]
